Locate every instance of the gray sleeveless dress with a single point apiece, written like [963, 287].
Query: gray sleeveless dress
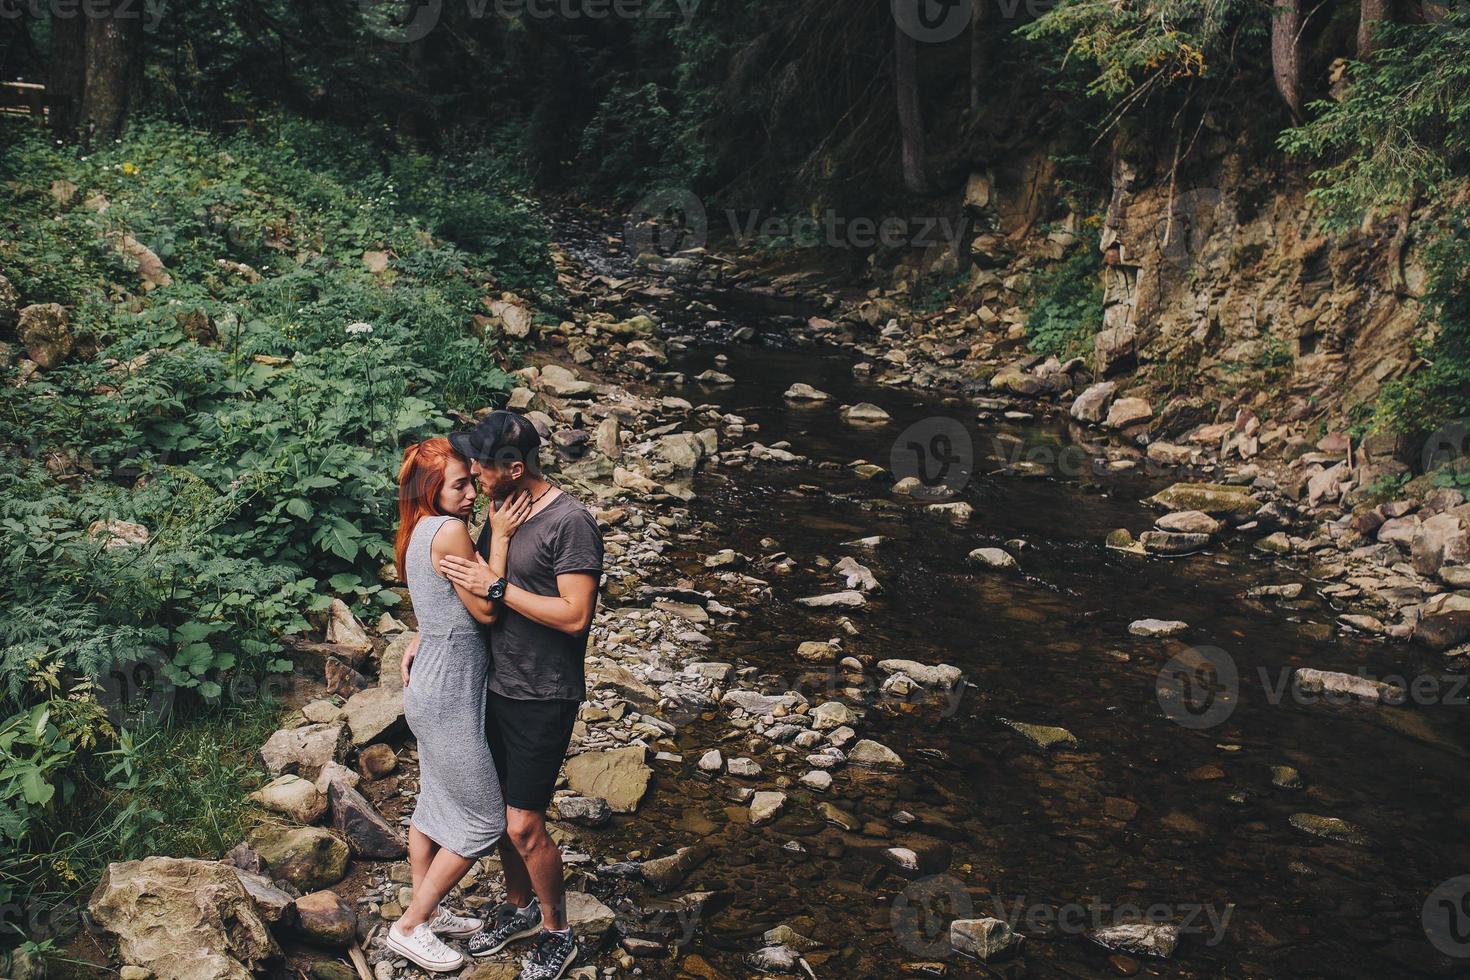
[459, 805]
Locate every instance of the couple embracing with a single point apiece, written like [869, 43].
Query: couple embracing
[492, 685]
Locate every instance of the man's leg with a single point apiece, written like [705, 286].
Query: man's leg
[541, 859]
[517, 879]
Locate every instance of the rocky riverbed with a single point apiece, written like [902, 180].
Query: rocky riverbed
[1081, 701]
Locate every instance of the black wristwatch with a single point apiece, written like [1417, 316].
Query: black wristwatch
[496, 591]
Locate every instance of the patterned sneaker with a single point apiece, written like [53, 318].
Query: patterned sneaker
[446, 923]
[424, 948]
[550, 957]
[510, 925]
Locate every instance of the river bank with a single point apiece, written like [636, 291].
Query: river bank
[979, 720]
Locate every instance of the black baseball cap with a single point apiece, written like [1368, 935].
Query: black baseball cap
[501, 437]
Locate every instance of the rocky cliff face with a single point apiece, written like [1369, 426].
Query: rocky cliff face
[1220, 287]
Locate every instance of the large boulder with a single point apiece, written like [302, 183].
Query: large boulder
[619, 776]
[364, 829]
[1440, 540]
[1115, 349]
[45, 332]
[302, 751]
[1444, 621]
[183, 919]
[374, 714]
[1213, 498]
[1128, 411]
[682, 449]
[308, 857]
[1092, 404]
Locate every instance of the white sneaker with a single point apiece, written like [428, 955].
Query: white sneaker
[424, 948]
[446, 923]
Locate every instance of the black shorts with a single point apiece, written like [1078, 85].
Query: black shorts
[528, 740]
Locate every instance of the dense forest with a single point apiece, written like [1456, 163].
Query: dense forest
[251, 250]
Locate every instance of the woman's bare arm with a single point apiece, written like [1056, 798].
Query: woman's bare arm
[454, 539]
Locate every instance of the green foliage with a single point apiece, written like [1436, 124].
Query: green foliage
[1402, 128]
[1402, 132]
[230, 412]
[1066, 303]
[1138, 47]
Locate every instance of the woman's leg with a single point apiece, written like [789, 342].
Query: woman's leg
[444, 872]
[421, 851]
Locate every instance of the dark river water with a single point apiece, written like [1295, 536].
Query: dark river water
[1144, 814]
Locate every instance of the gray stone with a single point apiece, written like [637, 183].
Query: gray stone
[942, 676]
[1157, 627]
[874, 755]
[1092, 405]
[765, 806]
[303, 751]
[985, 939]
[995, 558]
[588, 811]
[1141, 939]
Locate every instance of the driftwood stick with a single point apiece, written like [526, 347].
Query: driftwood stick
[360, 962]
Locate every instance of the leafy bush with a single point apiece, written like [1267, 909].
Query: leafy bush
[231, 413]
[1066, 304]
[1401, 133]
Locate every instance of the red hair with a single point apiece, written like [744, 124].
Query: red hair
[420, 479]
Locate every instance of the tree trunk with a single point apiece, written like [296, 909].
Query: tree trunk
[113, 43]
[67, 73]
[977, 55]
[1286, 29]
[1371, 12]
[910, 119]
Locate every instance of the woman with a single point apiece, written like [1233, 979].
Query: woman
[460, 814]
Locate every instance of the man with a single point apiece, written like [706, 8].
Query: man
[547, 593]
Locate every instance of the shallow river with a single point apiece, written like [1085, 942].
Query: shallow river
[1146, 812]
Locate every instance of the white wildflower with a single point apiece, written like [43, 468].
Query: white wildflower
[359, 327]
